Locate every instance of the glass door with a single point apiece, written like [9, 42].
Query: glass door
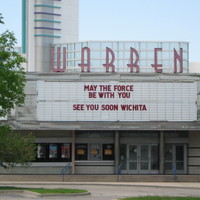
[133, 158]
[154, 158]
[175, 158]
[169, 157]
[143, 158]
[140, 159]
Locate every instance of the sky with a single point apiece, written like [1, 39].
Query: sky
[136, 20]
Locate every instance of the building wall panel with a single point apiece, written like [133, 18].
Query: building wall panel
[194, 153]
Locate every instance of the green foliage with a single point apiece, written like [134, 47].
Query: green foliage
[46, 191]
[15, 148]
[162, 198]
[1, 19]
[12, 75]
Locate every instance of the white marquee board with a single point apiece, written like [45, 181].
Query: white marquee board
[116, 101]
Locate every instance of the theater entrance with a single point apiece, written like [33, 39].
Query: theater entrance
[139, 159]
[175, 158]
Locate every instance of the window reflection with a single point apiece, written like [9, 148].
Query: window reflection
[53, 151]
[41, 151]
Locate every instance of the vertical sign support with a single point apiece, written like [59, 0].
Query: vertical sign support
[73, 151]
[117, 151]
[162, 153]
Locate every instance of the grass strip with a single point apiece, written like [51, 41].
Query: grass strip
[162, 198]
[46, 191]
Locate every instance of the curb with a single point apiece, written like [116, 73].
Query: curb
[67, 194]
[35, 194]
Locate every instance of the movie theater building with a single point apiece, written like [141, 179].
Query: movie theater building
[110, 107]
[105, 107]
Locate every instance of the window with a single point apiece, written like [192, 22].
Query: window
[53, 153]
[95, 152]
[81, 152]
[108, 151]
[41, 151]
[62, 152]
[65, 151]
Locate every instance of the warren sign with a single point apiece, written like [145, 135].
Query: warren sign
[162, 59]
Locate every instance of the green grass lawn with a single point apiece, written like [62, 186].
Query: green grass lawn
[162, 198]
[46, 191]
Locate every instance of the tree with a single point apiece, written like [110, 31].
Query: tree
[1, 19]
[14, 148]
[12, 75]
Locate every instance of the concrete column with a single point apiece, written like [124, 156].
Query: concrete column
[73, 151]
[117, 150]
[162, 153]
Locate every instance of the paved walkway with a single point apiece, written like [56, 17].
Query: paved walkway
[109, 191]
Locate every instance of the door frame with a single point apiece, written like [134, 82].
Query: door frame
[138, 164]
[173, 162]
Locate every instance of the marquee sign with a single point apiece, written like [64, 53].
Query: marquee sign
[116, 101]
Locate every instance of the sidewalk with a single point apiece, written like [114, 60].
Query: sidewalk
[182, 185]
[109, 190]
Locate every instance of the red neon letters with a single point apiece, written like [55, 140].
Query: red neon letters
[85, 63]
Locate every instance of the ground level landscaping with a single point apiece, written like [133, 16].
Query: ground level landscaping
[162, 198]
[46, 191]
